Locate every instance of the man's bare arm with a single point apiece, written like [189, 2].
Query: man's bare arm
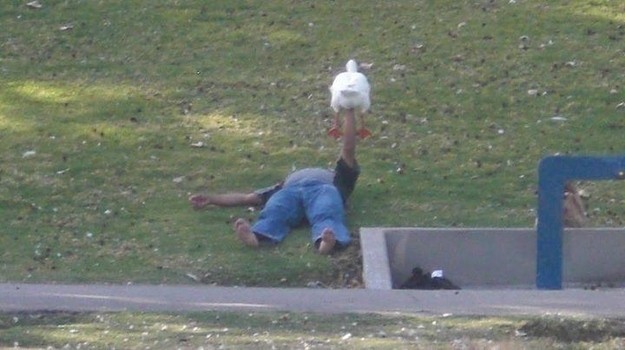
[200, 201]
[348, 152]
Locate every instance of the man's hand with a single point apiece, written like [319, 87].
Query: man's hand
[199, 201]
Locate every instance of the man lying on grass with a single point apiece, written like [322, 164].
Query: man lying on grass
[316, 194]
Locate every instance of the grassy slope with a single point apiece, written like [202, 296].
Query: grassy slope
[112, 107]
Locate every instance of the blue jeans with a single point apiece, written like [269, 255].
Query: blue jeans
[318, 202]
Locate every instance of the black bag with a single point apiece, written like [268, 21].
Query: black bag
[421, 280]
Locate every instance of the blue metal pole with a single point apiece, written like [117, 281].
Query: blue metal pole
[553, 172]
[549, 228]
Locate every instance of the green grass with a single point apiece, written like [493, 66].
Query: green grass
[112, 107]
[302, 331]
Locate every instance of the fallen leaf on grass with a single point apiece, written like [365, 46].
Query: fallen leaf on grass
[365, 66]
[559, 119]
[34, 5]
[29, 154]
[192, 276]
[315, 284]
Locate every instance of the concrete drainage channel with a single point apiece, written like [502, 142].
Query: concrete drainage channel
[489, 258]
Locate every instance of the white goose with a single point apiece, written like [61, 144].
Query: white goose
[350, 90]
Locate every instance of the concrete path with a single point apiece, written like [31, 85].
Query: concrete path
[569, 302]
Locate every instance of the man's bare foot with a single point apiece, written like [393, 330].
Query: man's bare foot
[199, 201]
[328, 241]
[244, 233]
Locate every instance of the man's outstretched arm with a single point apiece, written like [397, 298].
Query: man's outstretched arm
[200, 201]
[348, 152]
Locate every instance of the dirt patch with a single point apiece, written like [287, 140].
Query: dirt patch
[348, 265]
